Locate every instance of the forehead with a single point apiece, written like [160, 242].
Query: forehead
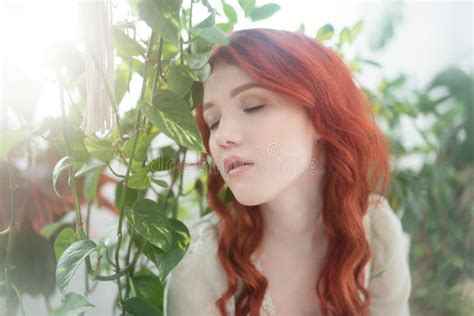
[223, 79]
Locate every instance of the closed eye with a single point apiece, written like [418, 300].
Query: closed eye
[249, 110]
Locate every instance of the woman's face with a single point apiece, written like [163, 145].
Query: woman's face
[271, 130]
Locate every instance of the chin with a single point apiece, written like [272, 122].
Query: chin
[250, 195]
[248, 199]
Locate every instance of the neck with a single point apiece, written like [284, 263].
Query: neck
[292, 221]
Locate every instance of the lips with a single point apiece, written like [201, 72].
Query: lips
[234, 162]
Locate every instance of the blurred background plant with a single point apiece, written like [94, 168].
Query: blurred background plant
[146, 172]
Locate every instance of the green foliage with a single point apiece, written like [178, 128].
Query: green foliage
[72, 304]
[63, 241]
[325, 33]
[138, 306]
[60, 166]
[264, 12]
[99, 148]
[152, 224]
[435, 199]
[70, 260]
[172, 115]
[149, 287]
[162, 16]
[166, 261]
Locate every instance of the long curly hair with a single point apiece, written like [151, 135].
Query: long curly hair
[357, 164]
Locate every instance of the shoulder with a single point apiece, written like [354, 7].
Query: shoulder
[390, 279]
[385, 234]
[203, 233]
[197, 281]
[203, 245]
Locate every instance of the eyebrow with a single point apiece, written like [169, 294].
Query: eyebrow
[235, 91]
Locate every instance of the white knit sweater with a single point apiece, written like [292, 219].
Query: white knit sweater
[199, 279]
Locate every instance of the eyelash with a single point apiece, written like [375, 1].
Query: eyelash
[249, 110]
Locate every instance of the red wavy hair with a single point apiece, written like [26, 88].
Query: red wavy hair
[357, 164]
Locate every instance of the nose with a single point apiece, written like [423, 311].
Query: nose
[228, 132]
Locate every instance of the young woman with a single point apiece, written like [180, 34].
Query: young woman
[308, 230]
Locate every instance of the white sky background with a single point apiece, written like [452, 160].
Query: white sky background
[433, 34]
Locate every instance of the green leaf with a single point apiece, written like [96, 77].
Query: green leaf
[131, 196]
[344, 36]
[149, 287]
[162, 16]
[230, 12]
[208, 5]
[204, 72]
[212, 34]
[198, 60]
[50, 229]
[180, 79]
[172, 115]
[143, 144]
[89, 166]
[70, 261]
[73, 304]
[62, 164]
[137, 306]
[91, 182]
[122, 74]
[325, 33]
[162, 163]
[301, 28]
[139, 180]
[207, 22]
[125, 45]
[371, 62]
[10, 139]
[225, 27]
[151, 223]
[167, 260]
[161, 183]
[265, 11]
[99, 148]
[354, 65]
[65, 238]
[356, 29]
[196, 93]
[248, 6]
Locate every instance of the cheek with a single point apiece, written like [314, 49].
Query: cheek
[285, 152]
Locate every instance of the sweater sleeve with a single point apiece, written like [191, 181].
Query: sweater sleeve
[390, 280]
[194, 284]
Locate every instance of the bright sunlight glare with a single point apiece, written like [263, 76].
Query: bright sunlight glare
[33, 32]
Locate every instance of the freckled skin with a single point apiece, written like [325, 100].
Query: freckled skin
[285, 181]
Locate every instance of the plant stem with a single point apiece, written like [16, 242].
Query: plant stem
[71, 181]
[191, 16]
[158, 65]
[180, 186]
[18, 295]
[113, 171]
[181, 51]
[174, 172]
[11, 238]
[89, 207]
[129, 168]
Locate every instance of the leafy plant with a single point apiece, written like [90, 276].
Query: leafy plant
[434, 200]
